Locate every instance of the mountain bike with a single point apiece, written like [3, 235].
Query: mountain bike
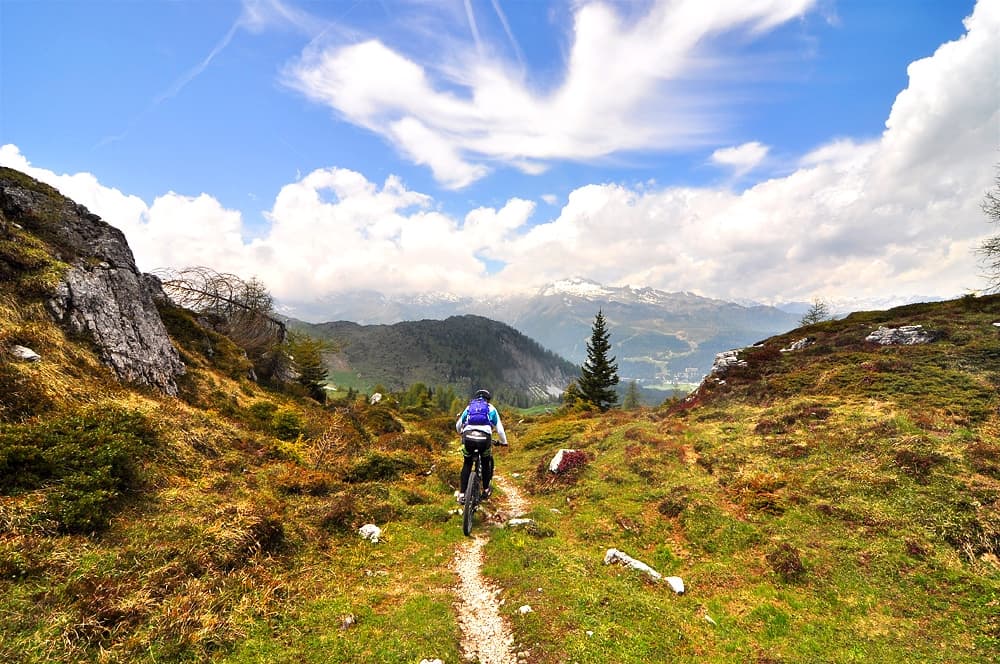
[473, 492]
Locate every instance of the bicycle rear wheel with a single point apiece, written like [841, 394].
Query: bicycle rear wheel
[471, 500]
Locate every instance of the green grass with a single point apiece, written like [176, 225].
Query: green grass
[839, 504]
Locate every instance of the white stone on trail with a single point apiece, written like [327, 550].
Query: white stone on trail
[524, 610]
[519, 522]
[676, 584]
[616, 556]
[370, 532]
[431, 661]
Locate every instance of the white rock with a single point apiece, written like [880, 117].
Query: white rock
[799, 345]
[370, 532]
[25, 353]
[676, 584]
[709, 620]
[520, 522]
[590, 633]
[616, 556]
[524, 610]
[376, 398]
[907, 335]
[996, 324]
[557, 459]
[431, 661]
[725, 360]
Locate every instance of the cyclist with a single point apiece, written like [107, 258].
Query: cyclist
[479, 415]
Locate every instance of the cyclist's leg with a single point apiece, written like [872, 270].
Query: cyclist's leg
[467, 459]
[487, 466]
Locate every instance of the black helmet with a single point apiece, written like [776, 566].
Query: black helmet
[483, 394]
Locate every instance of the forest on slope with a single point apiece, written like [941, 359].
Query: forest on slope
[461, 352]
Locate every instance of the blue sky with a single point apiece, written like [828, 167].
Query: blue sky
[767, 149]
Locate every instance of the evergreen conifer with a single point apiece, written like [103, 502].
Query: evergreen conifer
[599, 373]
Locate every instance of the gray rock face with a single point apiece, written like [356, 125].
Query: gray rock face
[102, 296]
[907, 335]
[725, 360]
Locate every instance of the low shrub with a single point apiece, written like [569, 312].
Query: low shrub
[675, 502]
[378, 420]
[287, 424]
[786, 561]
[295, 480]
[86, 460]
[340, 513]
[917, 463]
[379, 467]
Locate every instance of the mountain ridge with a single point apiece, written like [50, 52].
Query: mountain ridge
[463, 352]
[659, 337]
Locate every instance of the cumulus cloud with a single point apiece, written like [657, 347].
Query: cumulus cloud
[467, 109]
[898, 215]
[741, 158]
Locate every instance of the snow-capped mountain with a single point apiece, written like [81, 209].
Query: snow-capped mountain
[658, 337]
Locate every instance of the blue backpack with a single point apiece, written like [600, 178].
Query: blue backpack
[479, 412]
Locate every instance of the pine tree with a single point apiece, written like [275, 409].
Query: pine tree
[599, 373]
[632, 398]
[306, 354]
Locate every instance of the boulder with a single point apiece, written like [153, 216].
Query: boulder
[676, 584]
[25, 353]
[370, 532]
[907, 335]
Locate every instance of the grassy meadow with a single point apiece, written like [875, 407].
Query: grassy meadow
[834, 504]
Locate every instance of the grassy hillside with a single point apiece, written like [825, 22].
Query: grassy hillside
[836, 504]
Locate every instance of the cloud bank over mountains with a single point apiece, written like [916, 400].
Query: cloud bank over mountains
[855, 217]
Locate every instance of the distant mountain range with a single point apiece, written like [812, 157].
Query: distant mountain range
[658, 338]
[463, 352]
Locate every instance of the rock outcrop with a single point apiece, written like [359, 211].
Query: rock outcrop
[102, 296]
[907, 335]
[725, 360]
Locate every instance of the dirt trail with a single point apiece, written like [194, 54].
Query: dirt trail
[486, 638]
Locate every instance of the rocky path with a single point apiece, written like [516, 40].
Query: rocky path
[486, 638]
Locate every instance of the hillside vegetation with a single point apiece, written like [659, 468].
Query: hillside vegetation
[462, 352]
[837, 503]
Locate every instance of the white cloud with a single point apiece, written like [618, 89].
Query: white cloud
[895, 215]
[466, 108]
[741, 158]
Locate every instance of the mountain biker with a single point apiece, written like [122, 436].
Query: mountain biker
[479, 415]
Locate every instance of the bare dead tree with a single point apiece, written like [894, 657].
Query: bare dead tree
[990, 249]
[242, 310]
